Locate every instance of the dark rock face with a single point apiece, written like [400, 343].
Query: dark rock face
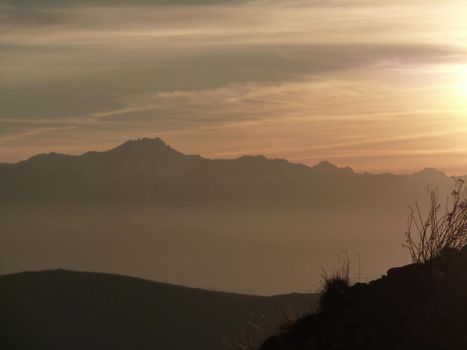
[413, 307]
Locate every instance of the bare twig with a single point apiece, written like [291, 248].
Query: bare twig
[430, 236]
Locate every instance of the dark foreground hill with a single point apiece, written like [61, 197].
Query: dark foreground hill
[413, 307]
[76, 310]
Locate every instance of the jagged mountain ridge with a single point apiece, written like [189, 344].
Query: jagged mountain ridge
[150, 169]
[141, 168]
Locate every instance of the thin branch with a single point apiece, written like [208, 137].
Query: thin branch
[429, 236]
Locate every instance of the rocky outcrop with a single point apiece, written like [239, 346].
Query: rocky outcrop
[419, 306]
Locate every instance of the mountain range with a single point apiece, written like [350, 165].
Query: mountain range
[250, 225]
[150, 170]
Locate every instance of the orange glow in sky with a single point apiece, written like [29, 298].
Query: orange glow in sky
[375, 85]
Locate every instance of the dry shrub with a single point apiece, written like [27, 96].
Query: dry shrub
[444, 228]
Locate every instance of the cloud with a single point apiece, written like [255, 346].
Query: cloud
[54, 3]
[285, 78]
[72, 83]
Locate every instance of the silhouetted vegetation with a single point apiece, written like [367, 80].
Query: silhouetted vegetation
[335, 287]
[418, 306]
[442, 229]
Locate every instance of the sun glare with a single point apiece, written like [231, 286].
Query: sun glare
[463, 87]
[462, 74]
[454, 78]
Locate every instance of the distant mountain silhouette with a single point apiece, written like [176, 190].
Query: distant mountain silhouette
[76, 310]
[331, 169]
[211, 223]
[149, 169]
[412, 307]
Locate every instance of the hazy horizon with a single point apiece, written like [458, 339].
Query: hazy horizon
[144, 209]
[340, 166]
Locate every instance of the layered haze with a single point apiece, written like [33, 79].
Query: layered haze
[378, 86]
[250, 224]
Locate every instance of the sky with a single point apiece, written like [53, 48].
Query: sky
[380, 86]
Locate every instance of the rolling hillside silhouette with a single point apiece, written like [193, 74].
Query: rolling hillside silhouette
[77, 310]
